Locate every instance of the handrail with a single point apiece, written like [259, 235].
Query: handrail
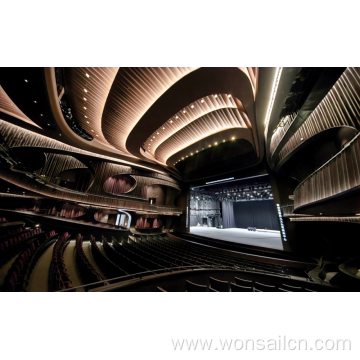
[164, 270]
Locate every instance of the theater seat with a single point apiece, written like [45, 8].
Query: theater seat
[191, 287]
[243, 282]
[263, 287]
[159, 289]
[292, 288]
[239, 288]
[219, 285]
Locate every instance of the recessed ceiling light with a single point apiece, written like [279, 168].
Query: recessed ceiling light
[60, 134]
[191, 153]
[186, 156]
[215, 96]
[41, 114]
[87, 75]
[176, 117]
[233, 138]
[85, 90]
[184, 111]
[88, 122]
[216, 143]
[84, 107]
[154, 137]
[35, 101]
[229, 96]
[97, 135]
[85, 116]
[192, 106]
[171, 121]
[149, 144]
[302, 139]
[183, 158]
[202, 100]
[158, 133]
[196, 151]
[223, 140]
[48, 124]
[26, 80]
[85, 99]
[151, 139]
[163, 128]
[92, 130]
[209, 145]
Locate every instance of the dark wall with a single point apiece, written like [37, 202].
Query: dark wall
[261, 214]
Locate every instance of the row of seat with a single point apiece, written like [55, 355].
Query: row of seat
[17, 244]
[129, 266]
[8, 231]
[189, 254]
[241, 285]
[109, 268]
[146, 260]
[58, 272]
[19, 272]
[88, 272]
[23, 235]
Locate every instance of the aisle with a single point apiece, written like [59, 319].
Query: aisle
[88, 254]
[5, 268]
[71, 265]
[39, 277]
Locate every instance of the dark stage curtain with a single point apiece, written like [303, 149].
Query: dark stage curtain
[261, 214]
[228, 214]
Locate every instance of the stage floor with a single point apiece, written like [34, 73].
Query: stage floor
[268, 239]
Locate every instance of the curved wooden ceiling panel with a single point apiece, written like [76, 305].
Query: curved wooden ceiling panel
[88, 90]
[187, 115]
[209, 124]
[8, 107]
[134, 91]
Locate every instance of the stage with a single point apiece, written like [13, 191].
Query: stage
[265, 238]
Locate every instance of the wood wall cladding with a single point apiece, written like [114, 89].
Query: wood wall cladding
[107, 201]
[340, 174]
[340, 107]
[56, 163]
[100, 165]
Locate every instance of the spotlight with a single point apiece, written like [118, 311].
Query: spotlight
[176, 117]
[229, 96]
[163, 128]
[233, 138]
[192, 106]
[84, 107]
[184, 111]
[215, 96]
[171, 121]
[87, 122]
[216, 143]
[35, 102]
[202, 100]
[85, 90]
[26, 80]
[84, 99]
[87, 75]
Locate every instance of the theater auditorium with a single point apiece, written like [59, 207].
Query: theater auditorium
[179, 179]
